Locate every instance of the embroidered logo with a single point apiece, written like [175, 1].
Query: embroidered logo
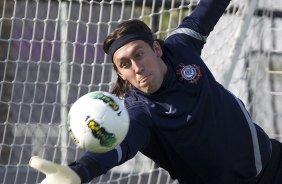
[190, 73]
[170, 110]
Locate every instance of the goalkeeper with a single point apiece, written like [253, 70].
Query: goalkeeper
[180, 116]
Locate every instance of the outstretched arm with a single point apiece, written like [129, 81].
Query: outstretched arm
[91, 165]
[196, 27]
[205, 16]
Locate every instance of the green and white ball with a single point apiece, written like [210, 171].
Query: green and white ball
[98, 121]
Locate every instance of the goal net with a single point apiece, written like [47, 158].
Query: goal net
[51, 54]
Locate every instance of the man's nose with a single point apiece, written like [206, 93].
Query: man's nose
[139, 68]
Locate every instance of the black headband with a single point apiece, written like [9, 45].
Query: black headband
[126, 39]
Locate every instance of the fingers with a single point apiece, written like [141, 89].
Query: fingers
[43, 165]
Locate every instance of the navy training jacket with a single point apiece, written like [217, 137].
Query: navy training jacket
[192, 126]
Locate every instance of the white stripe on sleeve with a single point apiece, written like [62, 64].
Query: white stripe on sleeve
[191, 33]
[253, 130]
[119, 153]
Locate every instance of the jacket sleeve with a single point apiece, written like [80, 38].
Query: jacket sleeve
[205, 16]
[200, 23]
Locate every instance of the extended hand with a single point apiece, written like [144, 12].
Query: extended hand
[55, 173]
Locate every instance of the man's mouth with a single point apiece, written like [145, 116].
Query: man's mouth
[144, 79]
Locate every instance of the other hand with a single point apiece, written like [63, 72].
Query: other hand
[55, 173]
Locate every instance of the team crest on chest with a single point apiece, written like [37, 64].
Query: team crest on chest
[190, 73]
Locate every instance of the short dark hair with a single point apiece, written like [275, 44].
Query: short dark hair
[125, 28]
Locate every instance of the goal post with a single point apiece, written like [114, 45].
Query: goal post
[51, 53]
[239, 37]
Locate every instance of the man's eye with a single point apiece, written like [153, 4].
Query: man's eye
[125, 65]
[138, 55]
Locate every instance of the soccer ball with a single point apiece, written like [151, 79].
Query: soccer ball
[98, 121]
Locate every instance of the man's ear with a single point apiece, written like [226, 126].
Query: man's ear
[121, 76]
[157, 48]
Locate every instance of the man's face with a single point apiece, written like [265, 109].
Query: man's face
[141, 65]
